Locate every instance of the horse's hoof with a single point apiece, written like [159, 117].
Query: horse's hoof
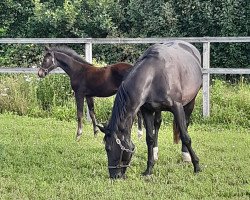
[186, 157]
[78, 138]
[95, 133]
[139, 134]
[197, 170]
[124, 176]
[146, 173]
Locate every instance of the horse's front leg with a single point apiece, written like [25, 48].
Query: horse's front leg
[90, 102]
[157, 125]
[139, 131]
[150, 140]
[79, 106]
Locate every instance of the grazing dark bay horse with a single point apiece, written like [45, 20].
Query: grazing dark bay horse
[167, 77]
[86, 80]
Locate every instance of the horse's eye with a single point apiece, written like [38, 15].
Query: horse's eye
[108, 148]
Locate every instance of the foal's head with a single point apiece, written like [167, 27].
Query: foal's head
[119, 151]
[48, 63]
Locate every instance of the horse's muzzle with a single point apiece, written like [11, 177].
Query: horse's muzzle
[41, 73]
[117, 173]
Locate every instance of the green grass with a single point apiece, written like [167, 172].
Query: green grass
[39, 159]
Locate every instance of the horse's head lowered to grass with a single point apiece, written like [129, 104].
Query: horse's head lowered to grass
[119, 149]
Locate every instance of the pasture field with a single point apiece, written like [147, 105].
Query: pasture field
[39, 159]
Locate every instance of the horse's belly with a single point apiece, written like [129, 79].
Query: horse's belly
[164, 105]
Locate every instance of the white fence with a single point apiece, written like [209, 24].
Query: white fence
[88, 42]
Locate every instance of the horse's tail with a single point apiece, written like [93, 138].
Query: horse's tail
[176, 133]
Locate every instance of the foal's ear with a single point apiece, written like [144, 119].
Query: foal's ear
[102, 127]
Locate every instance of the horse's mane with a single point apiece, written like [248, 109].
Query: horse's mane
[119, 110]
[70, 52]
[121, 100]
[150, 52]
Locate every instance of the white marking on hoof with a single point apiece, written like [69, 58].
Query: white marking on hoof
[155, 153]
[139, 134]
[186, 157]
[78, 138]
[78, 134]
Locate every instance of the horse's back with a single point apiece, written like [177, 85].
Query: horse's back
[175, 50]
[172, 69]
[185, 46]
[179, 57]
[183, 69]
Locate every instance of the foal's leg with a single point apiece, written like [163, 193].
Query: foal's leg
[157, 124]
[150, 139]
[179, 114]
[139, 117]
[79, 106]
[90, 102]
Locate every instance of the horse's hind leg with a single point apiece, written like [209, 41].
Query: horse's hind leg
[180, 118]
[90, 102]
[188, 109]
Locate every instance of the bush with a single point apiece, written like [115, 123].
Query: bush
[230, 103]
[17, 94]
[53, 97]
[29, 95]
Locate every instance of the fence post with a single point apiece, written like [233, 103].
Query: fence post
[88, 57]
[206, 79]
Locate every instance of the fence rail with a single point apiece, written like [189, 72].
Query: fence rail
[88, 42]
[23, 70]
[120, 40]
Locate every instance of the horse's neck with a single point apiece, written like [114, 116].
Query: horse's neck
[122, 114]
[68, 64]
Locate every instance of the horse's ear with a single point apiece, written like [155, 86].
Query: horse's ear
[47, 48]
[102, 127]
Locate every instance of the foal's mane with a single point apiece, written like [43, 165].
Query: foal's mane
[70, 52]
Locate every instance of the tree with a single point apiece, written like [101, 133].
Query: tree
[122, 18]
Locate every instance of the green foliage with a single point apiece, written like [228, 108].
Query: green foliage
[53, 97]
[14, 16]
[103, 108]
[147, 19]
[54, 91]
[39, 159]
[17, 55]
[15, 94]
[231, 104]
[216, 19]
[29, 95]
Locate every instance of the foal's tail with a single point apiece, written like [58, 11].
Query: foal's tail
[176, 133]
